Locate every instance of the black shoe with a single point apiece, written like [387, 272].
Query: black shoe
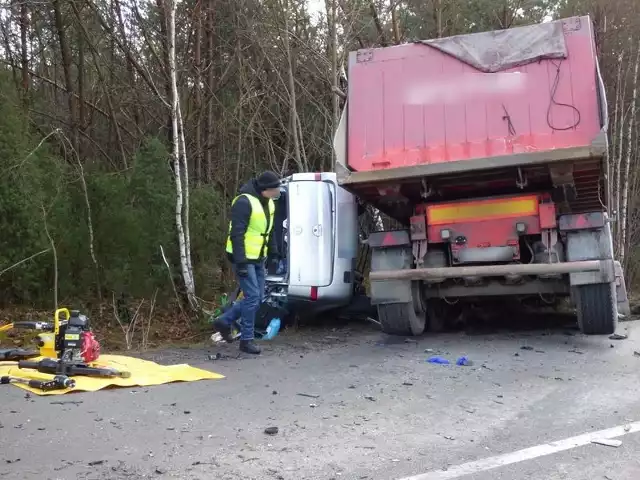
[223, 329]
[248, 346]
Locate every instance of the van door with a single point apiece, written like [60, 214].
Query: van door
[311, 233]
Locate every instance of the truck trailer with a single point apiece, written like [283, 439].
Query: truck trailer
[490, 150]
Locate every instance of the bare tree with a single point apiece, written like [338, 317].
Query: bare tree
[628, 160]
[181, 176]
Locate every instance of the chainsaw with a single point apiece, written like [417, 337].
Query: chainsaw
[69, 339]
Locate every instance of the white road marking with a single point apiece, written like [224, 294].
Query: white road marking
[526, 454]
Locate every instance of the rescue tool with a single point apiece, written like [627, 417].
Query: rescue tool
[59, 382]
[60, 367]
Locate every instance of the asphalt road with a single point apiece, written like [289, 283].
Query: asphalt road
[381, 412]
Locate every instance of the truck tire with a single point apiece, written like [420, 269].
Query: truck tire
[597, 309]
[401, 319]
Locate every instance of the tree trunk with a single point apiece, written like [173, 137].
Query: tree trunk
[382, 38]
[198, 92]
[65, 52]
[616, 143]
[331, 7]
[618, 161]
[179, 166]
[437, 16]
[113, 125]
[81, 89]
[160, 4]
[130, 65]
[24, 29]
[628, 156]
[293, 111]
[210, 87]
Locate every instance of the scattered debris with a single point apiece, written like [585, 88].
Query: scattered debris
[370, 398]
[429, 350]
[13, 461]
[187, 412]
[407, 384]
[410, 340]
[526, 347]
[95, 463]
[352, 386]
[217, 356]
[499, 402]
[275, 392]
[636, 353]
[539, 351]
[68, 402]
[271, 430]
[161, 471]
[575, 350]
[448, 437]
[617, 336]
[607, 442]
[313, 405]
[308, 395]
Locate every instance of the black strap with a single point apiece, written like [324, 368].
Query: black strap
[265, 235]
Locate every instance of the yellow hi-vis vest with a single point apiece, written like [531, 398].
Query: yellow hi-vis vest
[257, 234]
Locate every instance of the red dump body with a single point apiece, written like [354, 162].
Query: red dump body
[414, 104]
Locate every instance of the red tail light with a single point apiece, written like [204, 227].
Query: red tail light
[314, 294]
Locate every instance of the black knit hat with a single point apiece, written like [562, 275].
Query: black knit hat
[268, 180]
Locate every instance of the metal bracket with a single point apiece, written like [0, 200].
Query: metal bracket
[419, 251]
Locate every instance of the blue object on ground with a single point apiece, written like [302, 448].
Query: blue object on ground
[272, 329]
[438, 360]
[464, 362]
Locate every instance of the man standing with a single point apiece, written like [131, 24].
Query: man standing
[248, 244]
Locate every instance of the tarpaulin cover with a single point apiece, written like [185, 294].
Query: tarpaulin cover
[143, 373]
[503, 49]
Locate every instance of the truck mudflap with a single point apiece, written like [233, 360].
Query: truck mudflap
[602, 267]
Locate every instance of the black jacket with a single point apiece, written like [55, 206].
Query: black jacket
[240, 215]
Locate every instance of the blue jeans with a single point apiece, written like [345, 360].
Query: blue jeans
[252, 287]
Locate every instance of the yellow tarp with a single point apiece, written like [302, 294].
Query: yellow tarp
[143, 374]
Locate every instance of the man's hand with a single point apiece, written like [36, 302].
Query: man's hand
[241, 270]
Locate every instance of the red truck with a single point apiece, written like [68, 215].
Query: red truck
[490, 149]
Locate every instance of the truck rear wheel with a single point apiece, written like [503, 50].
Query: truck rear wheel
[401, 319]
[597, 309]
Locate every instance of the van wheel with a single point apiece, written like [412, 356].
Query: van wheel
[401, 319]
[597, 309]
